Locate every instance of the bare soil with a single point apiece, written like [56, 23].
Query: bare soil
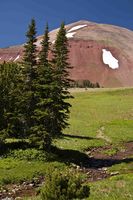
[100, 161]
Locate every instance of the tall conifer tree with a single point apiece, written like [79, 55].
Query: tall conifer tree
[43, 55]
[30, 75]
[61, 83]
[41, 130]
[30, 46]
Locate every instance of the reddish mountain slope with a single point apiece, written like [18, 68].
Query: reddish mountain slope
[98, 52]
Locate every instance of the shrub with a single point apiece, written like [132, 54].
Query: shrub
[64, 187]
[30, 154]
[84, 84]
[2, 144]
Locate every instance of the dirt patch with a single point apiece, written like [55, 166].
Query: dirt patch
[126, 150]
[19, 191]
[103, 157]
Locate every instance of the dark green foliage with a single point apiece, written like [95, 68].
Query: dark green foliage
[61, 83]
[39, 137]
[10, 122]
[30, 47]
[33, 93]
[43, 87]
[29, 155]
[43, 55]
[52, 110]
[13, 144]
[29, 99]
[64, 187]
[85, 84]
[97, 85]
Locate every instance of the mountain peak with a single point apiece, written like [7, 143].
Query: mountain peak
[98, 52]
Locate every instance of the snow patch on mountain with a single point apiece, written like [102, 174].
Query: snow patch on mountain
[16, 58]
[76, 28]
[38, 42]
[10, 58]
[70, 35]
[109, 59]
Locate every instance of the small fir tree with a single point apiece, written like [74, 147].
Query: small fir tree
[64, 186]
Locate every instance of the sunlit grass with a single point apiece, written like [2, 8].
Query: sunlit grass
[115, 188]
[112, 110]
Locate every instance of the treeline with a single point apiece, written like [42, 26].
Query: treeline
[33, 92]
[84, 84]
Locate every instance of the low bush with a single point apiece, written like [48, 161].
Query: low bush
[64, 186]
[84, 84]
[31, 154]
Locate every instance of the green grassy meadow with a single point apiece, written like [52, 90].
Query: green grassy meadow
[97, 118]
[110, 110]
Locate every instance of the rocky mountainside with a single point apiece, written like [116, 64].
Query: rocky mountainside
[97, 52]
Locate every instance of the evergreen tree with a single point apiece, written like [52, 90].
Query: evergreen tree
[30, 47]
[4, 98]
[43, 55]
[10, 123]
[28, 102]
[42, 116]
[61, 83]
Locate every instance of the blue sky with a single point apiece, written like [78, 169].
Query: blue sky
[15, 15]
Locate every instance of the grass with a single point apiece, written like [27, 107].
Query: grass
[110, 152]
[122, 168]
[96, 115]
[115, 188]
[17, 171]
[111, 110]
[78, 143]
